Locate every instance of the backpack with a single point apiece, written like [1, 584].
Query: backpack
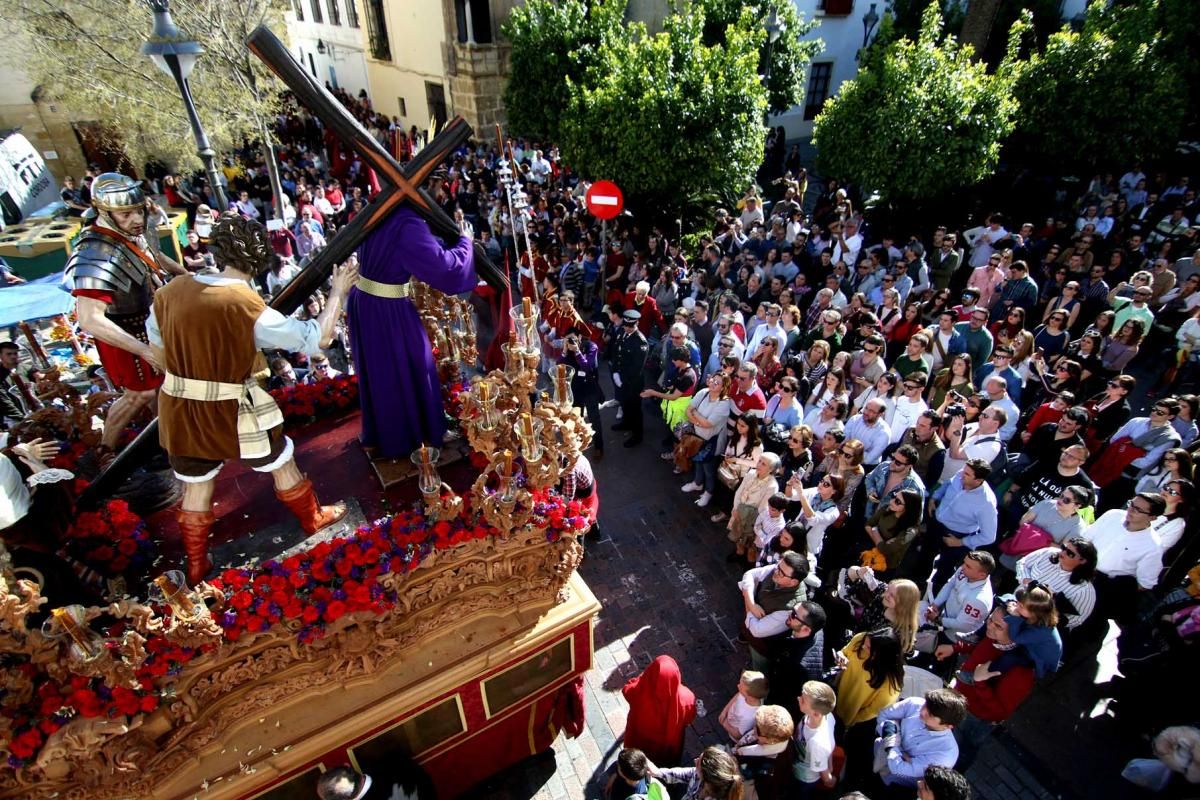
[999, 464]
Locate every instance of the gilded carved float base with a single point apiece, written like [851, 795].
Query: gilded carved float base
[459, 603]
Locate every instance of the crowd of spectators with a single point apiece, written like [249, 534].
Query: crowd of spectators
[928, 449]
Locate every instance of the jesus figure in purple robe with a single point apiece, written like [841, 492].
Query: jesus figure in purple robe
[398, 383]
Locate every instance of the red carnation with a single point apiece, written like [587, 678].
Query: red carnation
[310, 615]
[149, 703]
[334, 611]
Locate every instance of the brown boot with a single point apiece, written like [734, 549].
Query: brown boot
[194, 527]
[301, 500]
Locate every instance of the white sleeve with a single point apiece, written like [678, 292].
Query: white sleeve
[153, 334]
[274, 330]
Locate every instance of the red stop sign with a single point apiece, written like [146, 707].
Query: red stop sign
[604, 200]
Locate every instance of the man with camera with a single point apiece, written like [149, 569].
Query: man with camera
[582, 355]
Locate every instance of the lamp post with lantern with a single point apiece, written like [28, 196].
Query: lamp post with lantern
[175, 55]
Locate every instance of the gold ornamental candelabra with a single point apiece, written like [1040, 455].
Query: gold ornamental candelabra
[531, 438]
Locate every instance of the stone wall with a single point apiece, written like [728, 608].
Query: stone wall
[477, 84]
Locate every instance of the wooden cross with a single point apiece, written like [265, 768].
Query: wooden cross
[403, 185]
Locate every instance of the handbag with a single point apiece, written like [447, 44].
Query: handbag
[688, 445]
[728, 476]
[1029, 537]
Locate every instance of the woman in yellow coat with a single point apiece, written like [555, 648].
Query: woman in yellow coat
[871, 680]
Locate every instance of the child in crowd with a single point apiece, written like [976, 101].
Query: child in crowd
[631, 778]
[737, 718]
[767, 525]
[757, 750]
[814, 739]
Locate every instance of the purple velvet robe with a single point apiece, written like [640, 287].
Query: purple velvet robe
[398, 382]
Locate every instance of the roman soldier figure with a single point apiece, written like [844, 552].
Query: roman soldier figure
[114, 276]
[207, 330]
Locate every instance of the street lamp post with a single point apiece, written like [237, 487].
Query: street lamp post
[870, 20]
[175, 55]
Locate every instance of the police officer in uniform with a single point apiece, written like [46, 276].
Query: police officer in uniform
[628, 368]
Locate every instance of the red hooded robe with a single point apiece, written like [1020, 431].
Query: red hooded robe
[660, 709]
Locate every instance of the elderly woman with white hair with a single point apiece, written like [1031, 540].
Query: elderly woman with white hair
[752, 497]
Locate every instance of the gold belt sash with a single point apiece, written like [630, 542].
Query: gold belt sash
[391, 291]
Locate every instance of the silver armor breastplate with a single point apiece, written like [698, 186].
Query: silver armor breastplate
[101, 264]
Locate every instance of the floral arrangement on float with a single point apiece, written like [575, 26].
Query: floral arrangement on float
[303, 594]
[305, 402]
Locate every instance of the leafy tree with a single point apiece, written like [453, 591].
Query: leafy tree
[1110, 93]
[921, 118]
[85, 55]
[551, 40]
[788, 56]
[667, 116]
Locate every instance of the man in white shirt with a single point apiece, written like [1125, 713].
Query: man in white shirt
[769, 593]
[909, 406]
[1126, 544]
[1128, 555]
[980, 440]
[984, 241]
[847, 241]
[770, 327]
[964, 602]
[996, 389]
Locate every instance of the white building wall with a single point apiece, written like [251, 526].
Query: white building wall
[343, 63]
[843, 37]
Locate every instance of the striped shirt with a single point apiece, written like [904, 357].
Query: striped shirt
[1037, 566]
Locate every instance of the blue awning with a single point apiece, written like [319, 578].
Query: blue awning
[45, 297]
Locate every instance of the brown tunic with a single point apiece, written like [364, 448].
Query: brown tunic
[208, 334]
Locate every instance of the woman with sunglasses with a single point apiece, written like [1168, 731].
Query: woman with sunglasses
[1109, 411]
[1045, 383]
[1065, 569]
[783, 408]
[1176, 465]
[1180, 495]
[1010, 331]
[893, 527]
[1057, 518]
[797, 457]
[850, 458]
[1052, 337]
[818, 507]
[1067, 302]
[768, 363]
[932, 310]
[1119, 350]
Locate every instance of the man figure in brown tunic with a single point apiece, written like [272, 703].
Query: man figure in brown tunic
[207, 330]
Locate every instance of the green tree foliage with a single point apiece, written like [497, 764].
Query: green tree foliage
[85, 55]
[789, 55]
[921, 118]
[668, 117]
[551, 40]
[671, 117]
[1107, 94]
